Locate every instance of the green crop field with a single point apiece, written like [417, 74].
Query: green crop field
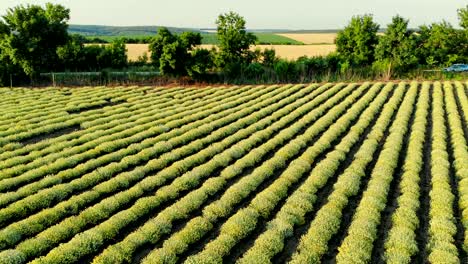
[316, 173]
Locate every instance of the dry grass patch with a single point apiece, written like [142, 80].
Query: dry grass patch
[136, 50]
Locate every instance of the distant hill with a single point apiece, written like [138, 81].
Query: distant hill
[114, 31]
[97, 30]
[108, 33]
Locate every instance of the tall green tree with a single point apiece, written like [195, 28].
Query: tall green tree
[439, 44]
[395, 49]
[234, 40]
[5, 62]
[176, 55]
[356, 42]
[7, 68]
[71, 55]
[201, 62]
[156, 46]
[32, 35]
[176, 58]
[115, 54]
[463, 17]
[76, 56]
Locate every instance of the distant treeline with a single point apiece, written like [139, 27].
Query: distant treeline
[35, 40]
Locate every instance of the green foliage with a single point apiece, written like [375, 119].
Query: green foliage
[164, 37]
[441, 44]
[12, 257]
[201, 63]
[234, 40]
[116, 53]
[175, 55]
[75, 56]
[4, 30]
[7, 68]
[31, 35]
[357, 41]
[269, 68]
[395, 49]
[284, 69]
[71, 54]
[463, 17]
[254, 70]
[269, 57]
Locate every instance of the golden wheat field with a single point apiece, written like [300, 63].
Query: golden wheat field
[284, 51]
[316, 44]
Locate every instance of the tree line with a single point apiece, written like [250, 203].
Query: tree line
[35, 39]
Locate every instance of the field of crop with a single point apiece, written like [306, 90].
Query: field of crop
[319, 173]
[287, 46]
[290, 52]
[312, 38]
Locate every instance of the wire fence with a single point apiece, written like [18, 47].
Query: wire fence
[95, 78]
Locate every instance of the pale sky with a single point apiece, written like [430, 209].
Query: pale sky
[260, 14]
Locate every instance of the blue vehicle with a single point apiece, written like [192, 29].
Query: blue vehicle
[457, 68]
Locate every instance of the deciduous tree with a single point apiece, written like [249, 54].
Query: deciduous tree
[176, 55]
[440, 44]
[395, 49]
[31, 35]
[463, 17]
[357, 41]
[234, 40]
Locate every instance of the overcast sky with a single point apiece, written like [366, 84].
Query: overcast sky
[260, 14]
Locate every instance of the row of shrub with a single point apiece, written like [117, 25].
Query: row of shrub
[53, 215]
[243, 223]
[357, 246]
[303, 199]
[401, 244]
[150, 231]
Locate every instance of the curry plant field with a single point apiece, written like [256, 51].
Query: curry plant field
[314, 173]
